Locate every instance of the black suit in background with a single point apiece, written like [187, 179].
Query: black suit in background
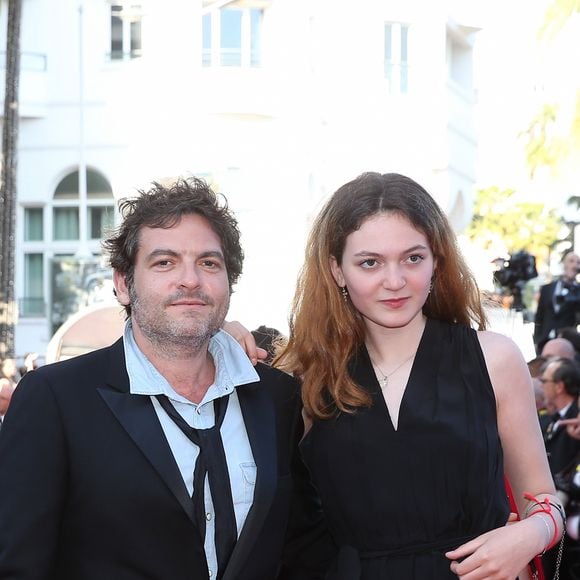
[562, 452]
[547, 319]
[89, 488]
[560, 447]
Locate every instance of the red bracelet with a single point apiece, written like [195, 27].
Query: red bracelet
[544, 507]
[554, 539]
[547, 502]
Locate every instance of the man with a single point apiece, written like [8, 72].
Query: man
[166, 455]
[561, 381]
[558, 303]
[558, 348]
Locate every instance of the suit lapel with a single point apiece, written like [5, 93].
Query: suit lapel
[137, 416]
[571, 413]
[260, 425]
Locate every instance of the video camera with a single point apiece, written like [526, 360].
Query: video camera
[515, 272]
[520, 267]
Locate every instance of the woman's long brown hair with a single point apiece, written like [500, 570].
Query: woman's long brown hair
[325, 329]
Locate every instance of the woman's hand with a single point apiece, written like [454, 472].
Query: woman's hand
[499, 554]
[246, 340]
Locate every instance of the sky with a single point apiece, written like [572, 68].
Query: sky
[515, 72]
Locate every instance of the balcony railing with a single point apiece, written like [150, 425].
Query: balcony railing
[31, 308]
[230, 57]
[120, 55]
[29, 61]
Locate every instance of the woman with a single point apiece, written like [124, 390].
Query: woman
[412, 416]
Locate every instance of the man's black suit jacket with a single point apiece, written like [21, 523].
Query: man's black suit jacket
[547, 319]
[89, 488]
[561, 448]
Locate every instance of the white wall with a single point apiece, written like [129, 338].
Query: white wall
[278, 139]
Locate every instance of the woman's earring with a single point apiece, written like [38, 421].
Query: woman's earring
[430, 287]
[344, 293]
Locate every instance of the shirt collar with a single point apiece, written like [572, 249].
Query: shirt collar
[233, 368]
[562, 412]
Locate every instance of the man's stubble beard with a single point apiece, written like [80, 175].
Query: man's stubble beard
[175, 337]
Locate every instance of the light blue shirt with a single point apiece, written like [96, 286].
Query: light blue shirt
[232, 369]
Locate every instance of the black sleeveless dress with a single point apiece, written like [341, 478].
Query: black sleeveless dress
[397, 500]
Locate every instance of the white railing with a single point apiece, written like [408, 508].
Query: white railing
[29, 61]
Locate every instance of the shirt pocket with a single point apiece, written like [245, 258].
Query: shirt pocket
[249, 472]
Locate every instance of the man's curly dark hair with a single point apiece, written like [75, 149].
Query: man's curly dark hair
[163, 207]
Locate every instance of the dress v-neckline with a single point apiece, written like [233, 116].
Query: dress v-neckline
[382, 395]
[377, 393]
[383, 401]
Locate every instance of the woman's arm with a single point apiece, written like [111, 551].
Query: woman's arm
[502, 553]
[525, 459]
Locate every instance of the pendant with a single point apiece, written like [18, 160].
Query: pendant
[384, 381]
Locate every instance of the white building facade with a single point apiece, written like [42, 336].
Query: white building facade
[276, 102]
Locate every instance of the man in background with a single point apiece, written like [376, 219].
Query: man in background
[561, 381]
[558, 348]
[559, 303]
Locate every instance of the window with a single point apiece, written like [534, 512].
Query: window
[100, 211]
[100, 221]
[64, 284]
[255, 37]
[59, 259]
[33, 226]
[206, 40]
[65, 223]
[97, 186]
[125, 31]
[33, 302]
[231, 36]
[396, 57]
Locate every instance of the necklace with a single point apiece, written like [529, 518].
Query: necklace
[384, 379]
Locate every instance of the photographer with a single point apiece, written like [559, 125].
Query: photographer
[559, 302]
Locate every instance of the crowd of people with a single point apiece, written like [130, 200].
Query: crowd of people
[556, 378]
[10, 375]
[391, 437]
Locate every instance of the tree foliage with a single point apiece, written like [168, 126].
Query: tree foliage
[557, 15]
[551, 139]
[500, 218]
